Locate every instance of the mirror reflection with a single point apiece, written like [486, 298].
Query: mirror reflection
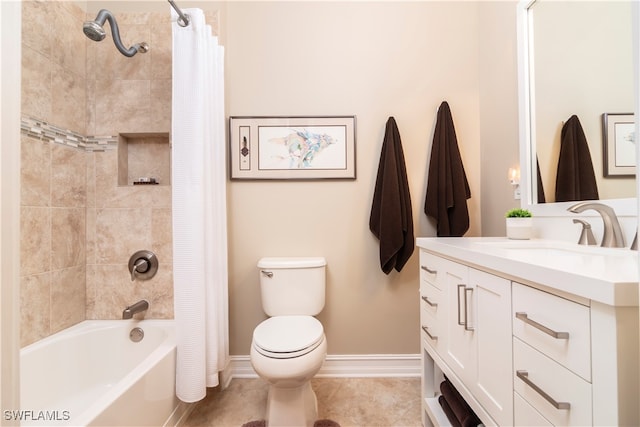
[581, 71]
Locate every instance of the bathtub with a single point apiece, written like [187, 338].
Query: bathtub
[93, 374]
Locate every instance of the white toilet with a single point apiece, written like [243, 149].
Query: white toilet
[289, 347]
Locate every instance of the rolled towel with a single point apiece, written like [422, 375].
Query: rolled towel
[463, 412]
[448, 412]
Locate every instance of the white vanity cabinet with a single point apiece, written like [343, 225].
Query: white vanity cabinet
[529, 342]
[472, 325]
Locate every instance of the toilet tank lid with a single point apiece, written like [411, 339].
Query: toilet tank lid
[291, 262]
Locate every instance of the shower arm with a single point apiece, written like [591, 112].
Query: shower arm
[105, 15]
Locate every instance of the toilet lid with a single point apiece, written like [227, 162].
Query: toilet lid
[288, 336]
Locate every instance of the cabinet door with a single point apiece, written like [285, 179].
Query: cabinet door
[492, 306]
[459, 327]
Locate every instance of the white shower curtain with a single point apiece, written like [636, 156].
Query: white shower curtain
[199, 207]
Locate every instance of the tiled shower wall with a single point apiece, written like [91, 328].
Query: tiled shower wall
[78, 226]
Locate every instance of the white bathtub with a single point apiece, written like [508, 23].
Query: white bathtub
[93, 374]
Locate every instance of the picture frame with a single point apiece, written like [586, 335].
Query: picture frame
[618, 145]
[296, 147]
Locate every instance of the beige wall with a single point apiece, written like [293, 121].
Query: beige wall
[373, 60]
[498, 74]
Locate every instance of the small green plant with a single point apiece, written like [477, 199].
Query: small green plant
[518, 213]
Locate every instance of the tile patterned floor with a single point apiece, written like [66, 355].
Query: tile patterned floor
[352, 402]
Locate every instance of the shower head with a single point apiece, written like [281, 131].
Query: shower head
[95, 31]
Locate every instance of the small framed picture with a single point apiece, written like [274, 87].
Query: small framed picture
[292, 147]
[619, 144]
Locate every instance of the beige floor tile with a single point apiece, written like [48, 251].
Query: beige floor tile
[362, 402]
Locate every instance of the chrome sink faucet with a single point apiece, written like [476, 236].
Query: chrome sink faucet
[612, 236]
[138, 307]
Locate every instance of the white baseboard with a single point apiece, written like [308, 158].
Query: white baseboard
[345, 366]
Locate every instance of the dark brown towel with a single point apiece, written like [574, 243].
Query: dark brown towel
[447, 185]
[448, 412]
[541, 198]
[391, 218]
[461, 409]
[575, 179]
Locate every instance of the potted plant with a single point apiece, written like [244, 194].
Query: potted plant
[519, 224]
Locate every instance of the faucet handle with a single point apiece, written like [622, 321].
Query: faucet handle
[586, 236]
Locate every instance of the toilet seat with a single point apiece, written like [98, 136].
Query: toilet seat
[286, 337]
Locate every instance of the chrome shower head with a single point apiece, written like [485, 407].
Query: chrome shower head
[95, 31]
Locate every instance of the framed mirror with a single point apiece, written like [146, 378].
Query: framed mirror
[575, 58]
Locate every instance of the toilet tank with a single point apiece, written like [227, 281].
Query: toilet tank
[292, 286]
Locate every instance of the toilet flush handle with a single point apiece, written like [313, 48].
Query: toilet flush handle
[269, 274]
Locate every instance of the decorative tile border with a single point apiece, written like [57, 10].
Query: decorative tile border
[39, 129]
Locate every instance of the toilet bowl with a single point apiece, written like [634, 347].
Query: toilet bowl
[289, 348]
[287, 351]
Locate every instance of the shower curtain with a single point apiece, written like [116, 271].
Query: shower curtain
[199, 207]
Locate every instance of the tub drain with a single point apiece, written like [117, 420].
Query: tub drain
[136, 334]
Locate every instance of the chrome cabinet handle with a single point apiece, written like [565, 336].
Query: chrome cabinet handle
[428, 270]
[460, 322]
[466, 303]
[464, 322]
[524, 376]
[557, 335]
[432, 304]
[426, 330]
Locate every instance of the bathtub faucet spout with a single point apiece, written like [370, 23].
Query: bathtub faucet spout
[138, 307]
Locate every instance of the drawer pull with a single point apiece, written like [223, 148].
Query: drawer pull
[432, 304]
[428, 270]
[557, 335]
[465, 310]
[524, 376]
[426, 331]
[460, 322]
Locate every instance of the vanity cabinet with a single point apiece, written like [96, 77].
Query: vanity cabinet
[468, 332]
[520, 349]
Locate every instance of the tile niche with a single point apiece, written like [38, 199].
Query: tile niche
[144, 158]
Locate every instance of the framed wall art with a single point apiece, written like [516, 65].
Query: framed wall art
[292, 147]
[619, 144]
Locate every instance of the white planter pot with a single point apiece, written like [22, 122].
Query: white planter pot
[519, 228]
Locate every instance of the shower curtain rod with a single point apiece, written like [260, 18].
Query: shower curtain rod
[183, 19]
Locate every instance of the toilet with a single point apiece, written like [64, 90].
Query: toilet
[289, 347]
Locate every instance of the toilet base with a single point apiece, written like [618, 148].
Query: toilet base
[288, 407]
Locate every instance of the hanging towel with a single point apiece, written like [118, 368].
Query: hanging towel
[447, 185]
[391, 219]
[575, 179]
[541, 197]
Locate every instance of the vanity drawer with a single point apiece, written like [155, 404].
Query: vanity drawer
[430, 298]
[557, 327]
[429, 328]
[545, 384]
[526, 415]
[430, 265]
[430, 310]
